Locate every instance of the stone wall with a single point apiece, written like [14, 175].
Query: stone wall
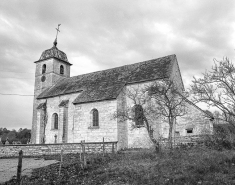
[52, 75]
[78, 120]
[195, 120]
[83, 129]
[51, 149]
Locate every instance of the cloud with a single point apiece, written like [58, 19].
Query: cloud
[98, 35]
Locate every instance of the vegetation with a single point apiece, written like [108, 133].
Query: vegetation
[217, 89]
[22, 135]
[181, 166]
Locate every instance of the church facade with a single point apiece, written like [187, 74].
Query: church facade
[70, 109]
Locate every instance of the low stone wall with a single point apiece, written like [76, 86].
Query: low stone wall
[184, 140]
[51, 149]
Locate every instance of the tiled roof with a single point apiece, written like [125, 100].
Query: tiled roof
[63, 103]
[107, 84]
[41, 106]
[54, 52]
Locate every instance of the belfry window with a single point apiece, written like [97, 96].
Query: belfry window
[44, 68]
[61, 69]
[54, 121]
[95, 117]
[138, 115]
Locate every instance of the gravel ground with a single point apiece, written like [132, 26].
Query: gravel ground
[8, 167]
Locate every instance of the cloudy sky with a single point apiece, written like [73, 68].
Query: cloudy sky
[97, 35]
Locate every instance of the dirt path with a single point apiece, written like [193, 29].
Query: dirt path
[8, 167]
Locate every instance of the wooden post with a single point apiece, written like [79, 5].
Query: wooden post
[19, 168]
[61, 160]
[81, 158]
[84, 162]
[113, 148]
[103, 147]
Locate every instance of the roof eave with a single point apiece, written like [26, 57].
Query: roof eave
[113, 98]
[52, 96]
[55, 58]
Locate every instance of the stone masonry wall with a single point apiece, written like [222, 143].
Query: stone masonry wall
[79, 120]
[52, 76]
[122, 124]
[138, 137]
[51, 149]
[53, 107]
[195, 119]
[83, 129]
[176, 76]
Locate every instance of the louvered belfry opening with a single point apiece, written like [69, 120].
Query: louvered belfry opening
[44, 68]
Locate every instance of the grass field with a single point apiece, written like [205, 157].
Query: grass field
[181, 166]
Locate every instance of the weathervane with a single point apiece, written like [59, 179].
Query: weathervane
[58, 30]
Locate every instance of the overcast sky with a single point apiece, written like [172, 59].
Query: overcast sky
[97, 35]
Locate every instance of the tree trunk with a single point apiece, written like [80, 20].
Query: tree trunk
[150, 133]
[171, 121]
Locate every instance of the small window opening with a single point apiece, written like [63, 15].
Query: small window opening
[44, 68]
[95, 118]
[61, 69]
[189, 131]
[139, 115]
[55, 121]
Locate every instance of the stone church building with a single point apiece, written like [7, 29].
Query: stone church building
[70, 109]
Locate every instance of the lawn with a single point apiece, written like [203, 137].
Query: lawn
[181, 166]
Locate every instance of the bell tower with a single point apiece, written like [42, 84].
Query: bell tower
[51, 67]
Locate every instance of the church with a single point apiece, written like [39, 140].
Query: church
[70, 109]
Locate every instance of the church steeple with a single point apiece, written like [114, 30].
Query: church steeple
[52, 66]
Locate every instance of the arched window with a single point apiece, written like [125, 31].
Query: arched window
[44, 68]
[54, 121]
[95, 118]
[61, 69]
[138, 115]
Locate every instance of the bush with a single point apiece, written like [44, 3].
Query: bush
[222, 138]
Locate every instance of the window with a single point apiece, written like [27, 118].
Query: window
[54, 121]
[44, 68]
[61, 70]
[189, 131]
[95, 118]
[138, 115]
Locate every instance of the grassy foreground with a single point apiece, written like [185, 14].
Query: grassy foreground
[192, 166]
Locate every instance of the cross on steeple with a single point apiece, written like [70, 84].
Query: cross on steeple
[58, 30]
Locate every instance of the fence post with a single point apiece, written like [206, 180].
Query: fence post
[83, 156]
[103, 146]
[19, 168]
[61, 160]
[113, 148]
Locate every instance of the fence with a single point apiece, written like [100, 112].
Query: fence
[51, 149]
[81, 148]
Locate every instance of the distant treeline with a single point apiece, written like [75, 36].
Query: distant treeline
[12, 136]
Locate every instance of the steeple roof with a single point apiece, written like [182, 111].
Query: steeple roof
[54, 52]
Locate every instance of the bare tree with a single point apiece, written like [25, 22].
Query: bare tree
[168, 102]
[217, 89]
[153, 101]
